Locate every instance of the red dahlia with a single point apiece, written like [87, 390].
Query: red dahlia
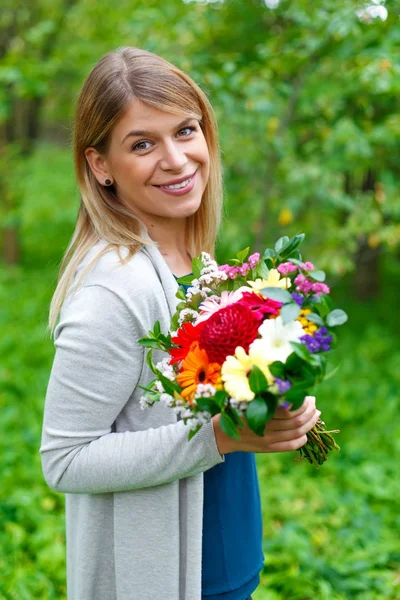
[232, 326]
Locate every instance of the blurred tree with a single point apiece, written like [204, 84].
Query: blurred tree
[46, 49]
[308, 104]
[28, 37]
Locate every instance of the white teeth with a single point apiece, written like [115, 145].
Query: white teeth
[177, 186]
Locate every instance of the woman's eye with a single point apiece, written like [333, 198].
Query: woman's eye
[139, 146]
[191, 128]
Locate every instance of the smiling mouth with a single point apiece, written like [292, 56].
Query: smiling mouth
[177, 186]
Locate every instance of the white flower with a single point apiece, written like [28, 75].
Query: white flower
[166, 369]
[187, 314]
[144, 402]
[167, 399]
[158, 386]
[205, 390]
[275, 339]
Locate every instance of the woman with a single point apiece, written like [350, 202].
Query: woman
[148, 169]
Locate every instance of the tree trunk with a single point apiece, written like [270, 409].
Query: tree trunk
[11, 250]
[366, 278]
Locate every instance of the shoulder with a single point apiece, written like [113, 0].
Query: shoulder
[112, 269]
[134, 283]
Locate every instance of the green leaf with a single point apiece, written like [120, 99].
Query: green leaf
[181, 293]
[301, 350]
[317, 275]
[290, 312]
[293, 363]
[149, 361]
[331, 373]
[208, 405]
[292, 245]
[236, 416]
[277, 368]
[149, 343]
[281, 244]
[296, 394]
[242, 255]
[315, 319]
[228, 426]
[157, 328]
[257, 380]
[256, 415]
[268, 253]
[262, 270]
[193, 432]
[336, 317]
[197, 266]
[276, 293]
[169, 386]
[272, 402]
[185, 280]
[316, 360]
[175, 322]
[220, 397]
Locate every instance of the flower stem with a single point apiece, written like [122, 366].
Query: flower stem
[319, 443]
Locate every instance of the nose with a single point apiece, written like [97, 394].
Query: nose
[173, 156]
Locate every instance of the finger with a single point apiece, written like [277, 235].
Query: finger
[293, 422]
[286, 413]
[288, 446]
[286, 435]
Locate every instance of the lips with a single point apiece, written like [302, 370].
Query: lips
[175, 181]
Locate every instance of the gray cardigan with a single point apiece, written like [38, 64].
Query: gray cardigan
[133, 482]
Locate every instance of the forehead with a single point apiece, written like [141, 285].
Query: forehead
[140, 115]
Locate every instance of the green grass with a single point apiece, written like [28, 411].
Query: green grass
[328, 534]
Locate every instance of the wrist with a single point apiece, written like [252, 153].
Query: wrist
[225, 444]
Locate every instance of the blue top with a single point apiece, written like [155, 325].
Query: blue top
[232, 555]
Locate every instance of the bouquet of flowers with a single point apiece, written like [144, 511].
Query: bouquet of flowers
[247, 337]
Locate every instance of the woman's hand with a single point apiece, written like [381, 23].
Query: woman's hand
[285, 432]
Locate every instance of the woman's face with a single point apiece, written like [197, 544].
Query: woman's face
[152, 148]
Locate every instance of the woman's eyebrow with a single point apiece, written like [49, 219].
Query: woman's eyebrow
[137, 132]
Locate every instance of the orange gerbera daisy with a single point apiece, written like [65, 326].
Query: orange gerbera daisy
[196, 369]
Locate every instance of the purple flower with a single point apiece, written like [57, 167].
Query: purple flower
[298, 298]
[283, 385]
[312, 344]
[319, 342]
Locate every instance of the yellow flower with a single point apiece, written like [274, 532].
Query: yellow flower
[309, 326]
[274, 280]
[235, 372]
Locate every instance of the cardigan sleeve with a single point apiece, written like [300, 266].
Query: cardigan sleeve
[96, 367]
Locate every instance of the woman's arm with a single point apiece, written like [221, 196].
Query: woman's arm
[96, 367]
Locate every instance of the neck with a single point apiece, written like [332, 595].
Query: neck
[170, 234]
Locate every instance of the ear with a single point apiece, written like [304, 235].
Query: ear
[98, 165]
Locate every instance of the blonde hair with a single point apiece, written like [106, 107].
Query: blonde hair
[118, 78]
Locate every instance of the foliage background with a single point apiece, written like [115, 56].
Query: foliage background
[306, 97]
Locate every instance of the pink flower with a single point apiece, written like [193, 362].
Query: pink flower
[260, 306]
[308, 266]
[244, 269]
[286, 268]
[253, 259]
[213, 304]
[320, 288]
